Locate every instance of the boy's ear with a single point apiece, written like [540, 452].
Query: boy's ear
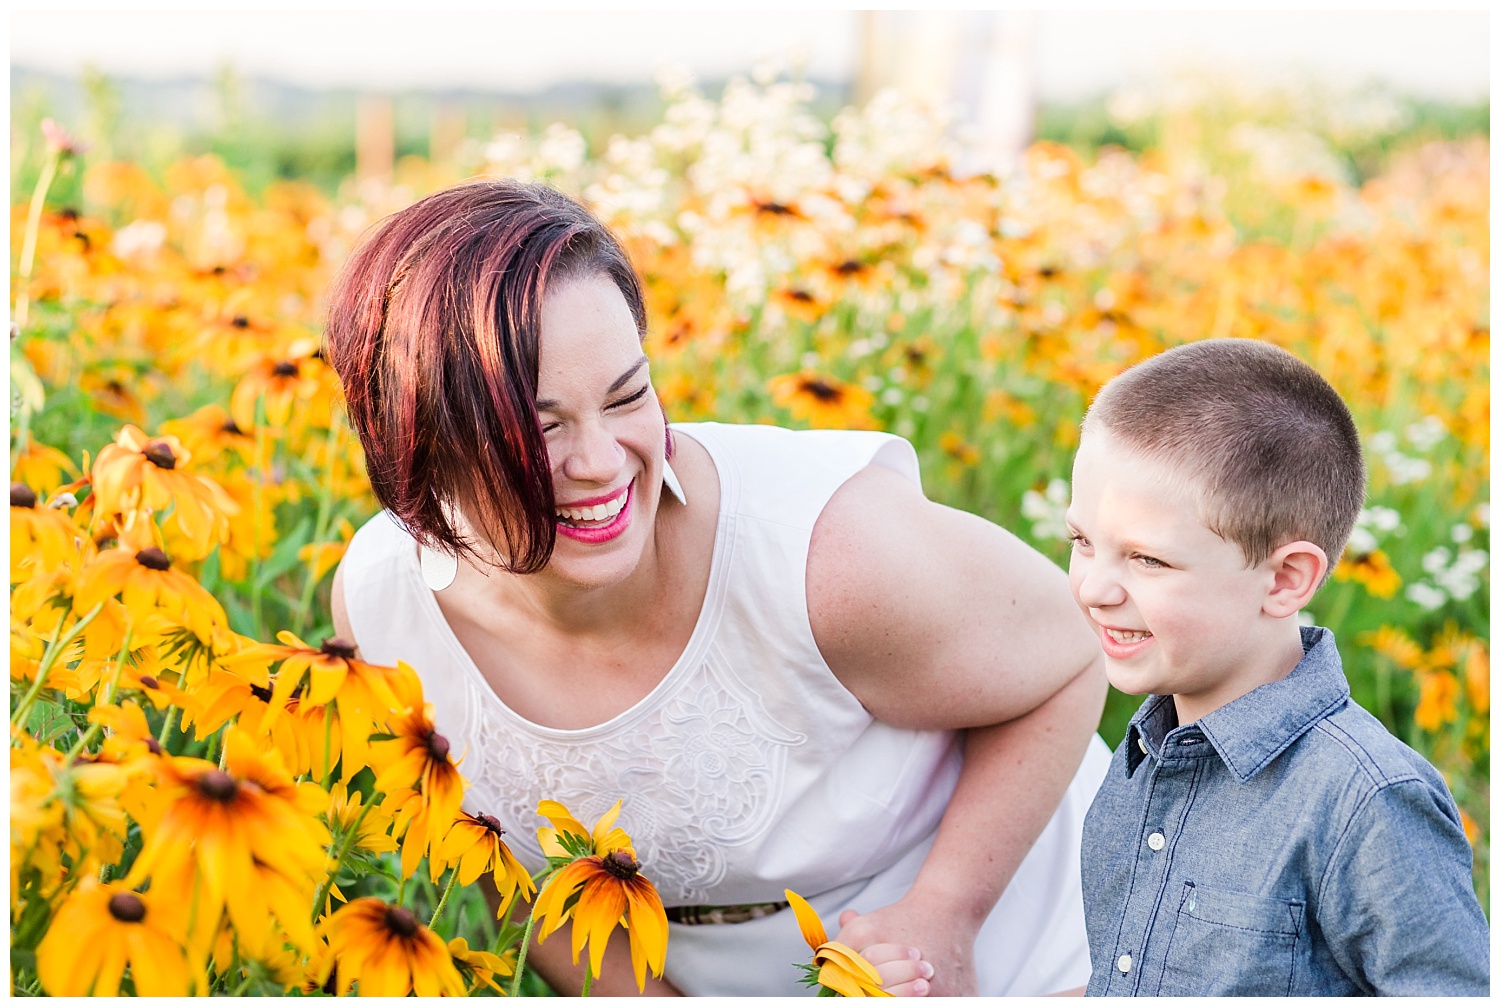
[1297, 569]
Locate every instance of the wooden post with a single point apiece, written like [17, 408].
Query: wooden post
[375, 138]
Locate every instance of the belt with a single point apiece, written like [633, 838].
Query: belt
[700, 915]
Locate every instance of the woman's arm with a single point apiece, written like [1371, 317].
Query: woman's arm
[935, 618]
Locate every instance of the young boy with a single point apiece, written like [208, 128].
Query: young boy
[1258, 833]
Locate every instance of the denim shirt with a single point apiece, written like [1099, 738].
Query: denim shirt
[1285, 844]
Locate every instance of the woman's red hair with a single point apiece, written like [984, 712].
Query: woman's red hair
[433, 327]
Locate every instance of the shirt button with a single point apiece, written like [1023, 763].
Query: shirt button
[1142, 743]
[1156, 840]
[1123, 964]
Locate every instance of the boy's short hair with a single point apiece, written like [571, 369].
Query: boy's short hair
[1266, 440]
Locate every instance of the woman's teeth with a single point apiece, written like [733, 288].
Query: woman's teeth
[598, 512]
[1127, 635]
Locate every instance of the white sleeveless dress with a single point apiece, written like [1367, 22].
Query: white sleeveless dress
[749, 769]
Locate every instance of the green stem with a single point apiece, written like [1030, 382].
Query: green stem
[109, 698]
[33, 227]
[588, 977]
[54, 650]
[242, 987]
[166, 727]
[258, 493]
[443, 902]
[347, 844]
[515, 980]
[320, 526]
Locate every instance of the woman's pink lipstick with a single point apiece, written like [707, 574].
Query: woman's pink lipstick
[595, 534]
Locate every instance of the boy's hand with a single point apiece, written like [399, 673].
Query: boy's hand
[946, 957]
[903, 972]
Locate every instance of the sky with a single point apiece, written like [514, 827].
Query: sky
[1073, 54]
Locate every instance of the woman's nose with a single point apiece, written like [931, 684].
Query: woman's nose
[594, 455]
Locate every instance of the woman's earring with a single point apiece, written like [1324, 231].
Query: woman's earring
[669, 479]
[438, 568]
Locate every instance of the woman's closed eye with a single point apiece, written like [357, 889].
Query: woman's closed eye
[633, 397]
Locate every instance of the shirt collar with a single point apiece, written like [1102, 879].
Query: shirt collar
[1252, 730]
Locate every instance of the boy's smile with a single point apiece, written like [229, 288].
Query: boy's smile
[1176, 609]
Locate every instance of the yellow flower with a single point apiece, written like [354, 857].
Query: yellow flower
[388, 952]
[413, 769]
[137, 472]
[42, 467]
[322, 557]
[144, 578]
[835, 966]
[599, 891]
[42, 539]
[1373, 570]
[1394, 644]
[367, 694]
[103, 929]
[479, 968]
[474, 843]
[1438, 700]
[233, 825]
[823, 401]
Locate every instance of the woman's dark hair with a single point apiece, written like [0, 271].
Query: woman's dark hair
[433, 326]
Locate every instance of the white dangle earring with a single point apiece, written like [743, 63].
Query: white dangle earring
[669, 479]
[438, 568]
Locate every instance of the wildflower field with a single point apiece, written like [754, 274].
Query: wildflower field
[211, 793]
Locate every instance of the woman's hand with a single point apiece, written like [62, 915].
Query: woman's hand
[890, 938]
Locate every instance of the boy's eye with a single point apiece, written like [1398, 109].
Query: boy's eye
[1077, 539]
[634, 396]
[1151, 561]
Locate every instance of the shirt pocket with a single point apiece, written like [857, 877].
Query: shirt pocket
[1231, 944]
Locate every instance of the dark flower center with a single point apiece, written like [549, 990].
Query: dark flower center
[337, 646]
[400, 921]
[437, 746]
[491, 823]
[153, 559]
[800, 296]
[285, 369]
[621, 864]
[261, 693]
[849, 267]
[240, 322]
[821, 390]
[153, 745]
[127, 907]
[776, 209]
[218, 785]
[231, 427]
[150, 682]
[158, 454]
[22, 495]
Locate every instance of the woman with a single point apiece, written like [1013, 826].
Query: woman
[768, 647]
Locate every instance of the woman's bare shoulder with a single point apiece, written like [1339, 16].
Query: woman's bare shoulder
[932, 616]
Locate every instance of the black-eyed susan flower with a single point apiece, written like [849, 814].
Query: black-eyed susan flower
[146, 582]
[230, 825]
[42, 539]
[368, 694]
[474, 844]
[835, 966]
[479, 968]
[42, 467]
[1373, 570]
[388, 951]
[823, 401]
[100, 931]
[137, 472]
[415, 769]
[599, 891]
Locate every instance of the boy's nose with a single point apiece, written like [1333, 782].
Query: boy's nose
[1099, 588]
